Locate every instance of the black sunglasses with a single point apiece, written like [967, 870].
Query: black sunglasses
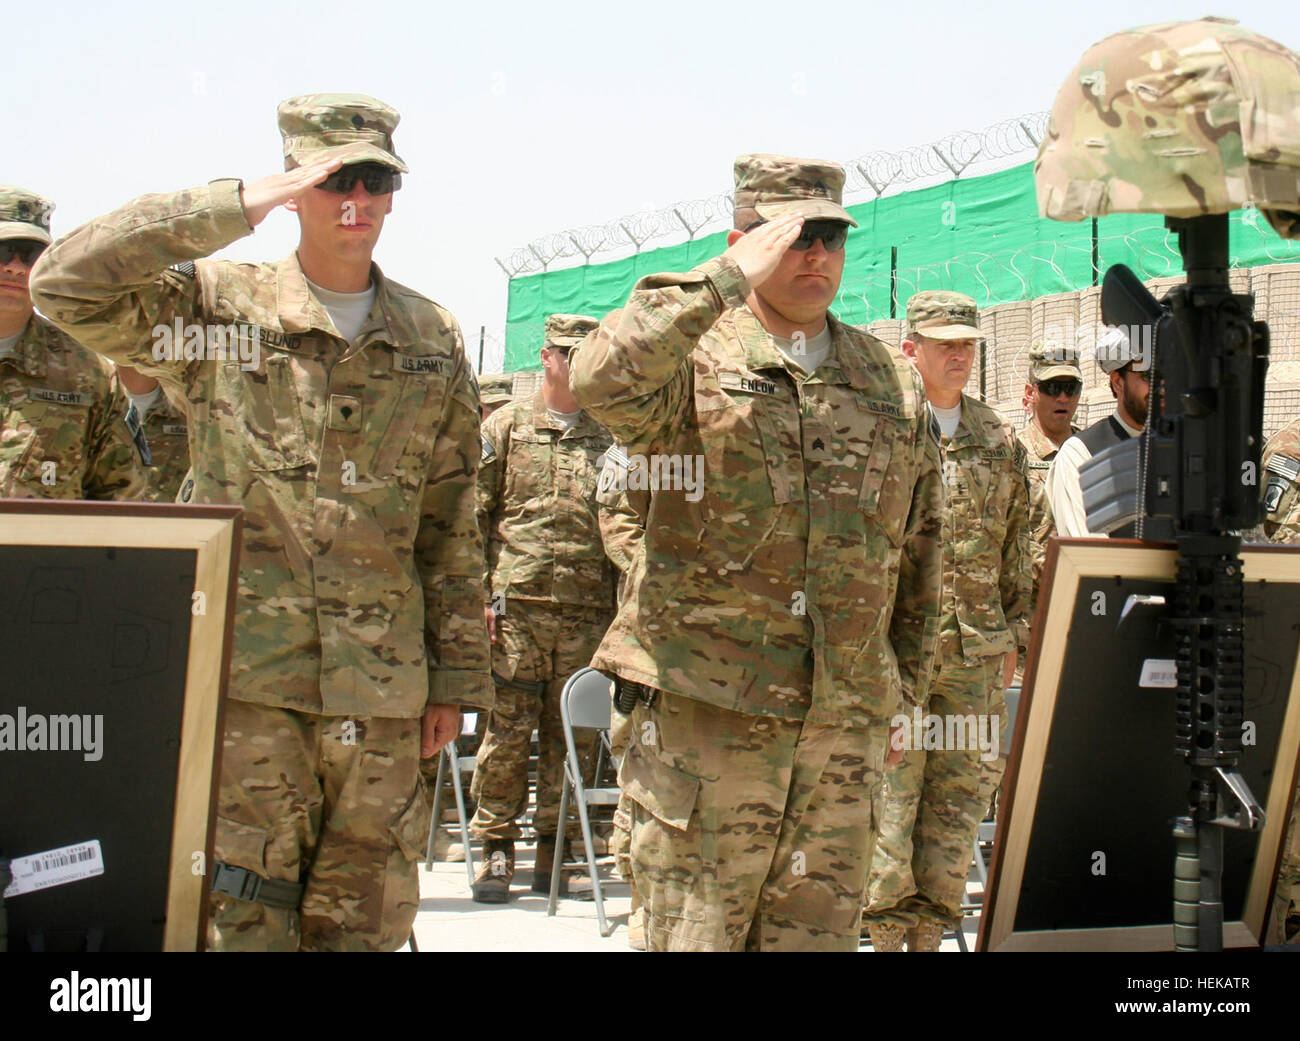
[563, 352]
[1053, 388]
[376, 178]
[833, 233]
[26, 250]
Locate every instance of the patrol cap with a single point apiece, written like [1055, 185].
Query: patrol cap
[774, 185]
[353, 127]
[495, 388]
[24, 215]
[567, 330]
[1050, 361]
[943, 315]
[1114, 350]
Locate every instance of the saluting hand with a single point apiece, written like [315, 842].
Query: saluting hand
[261, 197]
[758, 252]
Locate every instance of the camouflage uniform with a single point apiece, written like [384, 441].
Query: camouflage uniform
[360, 597]
[63, 431]
[1281, 465]
[165, 434]
[552, 588]
[783, 616]
[933, 802]
[494, 390]
[1040, 450]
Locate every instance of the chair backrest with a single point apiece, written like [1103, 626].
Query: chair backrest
[587, 700]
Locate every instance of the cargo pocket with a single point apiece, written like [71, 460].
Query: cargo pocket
[264, 416]
[667, 862]
[886, 494]
[410, 837]
[242, 846]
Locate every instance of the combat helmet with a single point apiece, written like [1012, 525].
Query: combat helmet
[1184, 119]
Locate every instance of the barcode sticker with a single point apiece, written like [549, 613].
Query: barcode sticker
[1159, 672]
[55, 867]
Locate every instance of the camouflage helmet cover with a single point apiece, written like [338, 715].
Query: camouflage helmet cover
[1183, 119]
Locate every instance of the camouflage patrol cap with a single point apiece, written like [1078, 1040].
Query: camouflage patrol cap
[1050, 361]
[1183, 119]
[24, 215]
[495, 388]
[354, 127]
[566, 330]
[943, 315]
[774, 185]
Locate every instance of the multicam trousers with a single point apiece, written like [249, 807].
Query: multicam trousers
[932, 804]
[536, 643]
[749, 832]
[336, 804]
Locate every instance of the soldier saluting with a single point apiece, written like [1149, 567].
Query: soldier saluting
[774, 623]
[350, 437]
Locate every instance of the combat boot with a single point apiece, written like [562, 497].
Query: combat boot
[926, 936]
[492, 883]
[546, 861]
[885, 936]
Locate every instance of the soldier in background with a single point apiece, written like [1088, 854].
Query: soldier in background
[785, 601]
[1281, 466]
[349, 436]
[935, 800]
[160, 431]
[1052, 395]
[63, 432]
[552, 599]
[494, 390]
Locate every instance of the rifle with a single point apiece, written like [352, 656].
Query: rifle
[1197, 485]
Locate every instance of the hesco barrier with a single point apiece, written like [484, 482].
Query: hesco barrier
[1030, 276]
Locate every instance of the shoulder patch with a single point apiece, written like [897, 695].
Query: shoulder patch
[489, 453]
[186, 268]
[936, 434]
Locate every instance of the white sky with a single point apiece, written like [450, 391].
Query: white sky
[519, 120]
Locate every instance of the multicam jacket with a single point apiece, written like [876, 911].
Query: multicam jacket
[165, 434]
[360, 586]
[63, 432]
[802, 580]
[1040, 450]
[986, 554]
[537, 506]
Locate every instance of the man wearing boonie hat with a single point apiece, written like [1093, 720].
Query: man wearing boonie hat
[933, 803]
[1052, 394]
[778, 613]
[346, 425]
[1128, 370]
[552, 598]
[63, 433]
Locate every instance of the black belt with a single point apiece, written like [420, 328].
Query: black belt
[243, 884]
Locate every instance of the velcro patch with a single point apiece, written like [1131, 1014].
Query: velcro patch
[176, 429]
[748, 383]
[489, 452]
[420, 363]
[1039, 464]
[345, 413]
[995, 453]
[1284, 466]
[883, 408]
[61, 397]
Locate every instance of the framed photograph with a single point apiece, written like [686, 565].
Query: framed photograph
[1084, 854]
[115, 630]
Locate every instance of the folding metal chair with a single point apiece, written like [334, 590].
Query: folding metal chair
[459, 765]
[585, 702]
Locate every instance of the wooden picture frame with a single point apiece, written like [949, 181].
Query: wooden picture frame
[148, 592]
[1094, 772]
